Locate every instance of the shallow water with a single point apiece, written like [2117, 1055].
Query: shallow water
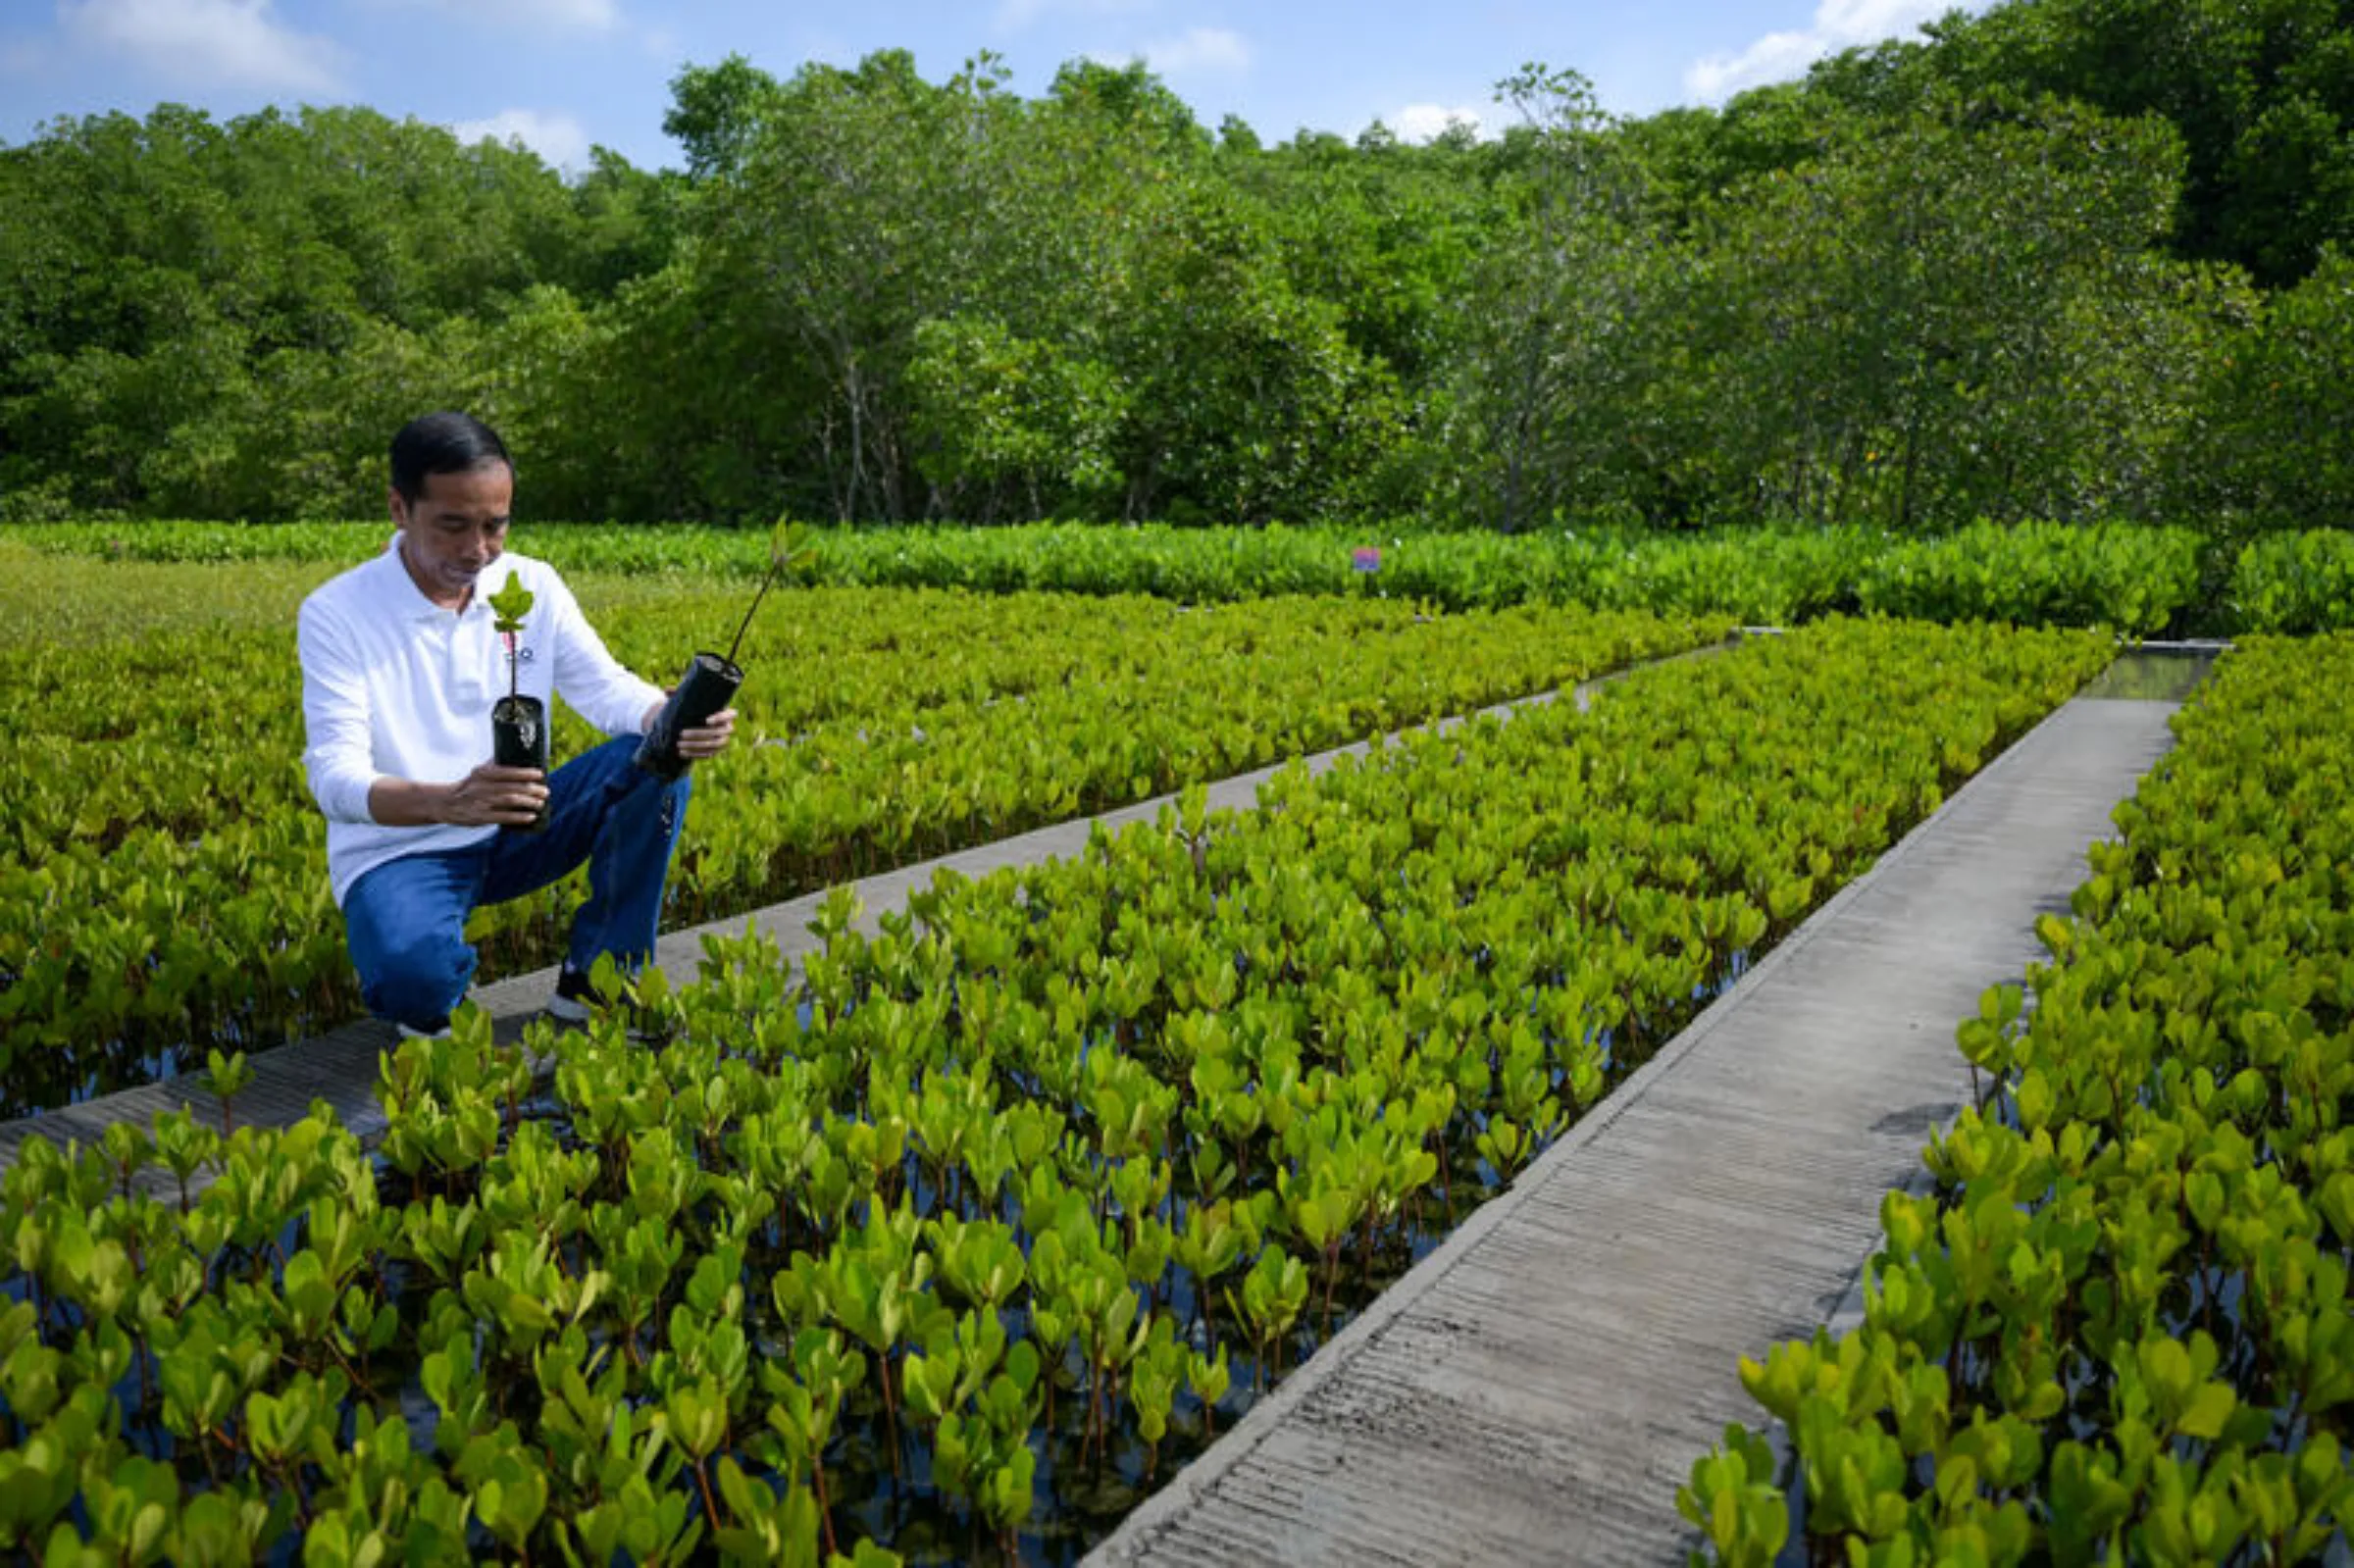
[2153, 675]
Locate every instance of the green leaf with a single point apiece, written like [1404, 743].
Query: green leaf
[510, 605]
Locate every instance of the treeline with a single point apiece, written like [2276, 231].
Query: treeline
[2071, 258]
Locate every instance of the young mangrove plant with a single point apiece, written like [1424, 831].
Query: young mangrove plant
[712, 678]
[518, 723]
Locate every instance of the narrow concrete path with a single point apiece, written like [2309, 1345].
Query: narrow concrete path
[340, 1067]
[1536, 1389]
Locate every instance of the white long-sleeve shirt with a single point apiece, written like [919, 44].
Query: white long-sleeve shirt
[396, 686]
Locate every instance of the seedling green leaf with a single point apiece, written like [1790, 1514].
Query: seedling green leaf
[510, 605]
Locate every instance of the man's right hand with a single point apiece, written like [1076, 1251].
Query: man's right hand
[490, 796]
[493, 796]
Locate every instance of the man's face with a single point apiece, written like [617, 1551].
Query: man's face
[457, 526]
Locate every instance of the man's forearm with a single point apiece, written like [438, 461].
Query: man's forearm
[490, 796]
[408, 803]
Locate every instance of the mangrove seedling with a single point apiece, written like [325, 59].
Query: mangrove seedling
[225, 1073]
[508, 607]
[518, 723]
[792, 556]
[712, 678]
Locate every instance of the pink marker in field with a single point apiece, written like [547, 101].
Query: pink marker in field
[1366, 558]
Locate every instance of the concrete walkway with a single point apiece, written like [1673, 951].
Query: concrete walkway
[340, 1067]
[1536, 1389]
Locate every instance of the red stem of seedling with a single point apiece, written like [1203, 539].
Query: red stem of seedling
[825, 1514]
[891, 1413]
[702, 1480]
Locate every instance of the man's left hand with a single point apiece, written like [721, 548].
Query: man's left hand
[708, 739]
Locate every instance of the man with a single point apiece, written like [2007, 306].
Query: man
[400, 666]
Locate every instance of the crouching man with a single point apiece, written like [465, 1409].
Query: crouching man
[400, 666]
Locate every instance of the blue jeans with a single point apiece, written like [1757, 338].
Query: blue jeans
[406, 919]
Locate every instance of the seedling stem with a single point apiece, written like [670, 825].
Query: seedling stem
[790, 553]
[509, 605]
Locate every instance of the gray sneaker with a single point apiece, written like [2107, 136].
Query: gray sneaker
[573, 998]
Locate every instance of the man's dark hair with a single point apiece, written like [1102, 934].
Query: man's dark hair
[442, 443]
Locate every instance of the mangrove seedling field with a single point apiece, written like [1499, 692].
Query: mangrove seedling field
[958, 1237]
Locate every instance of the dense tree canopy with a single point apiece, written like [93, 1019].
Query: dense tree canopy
[2076, 259]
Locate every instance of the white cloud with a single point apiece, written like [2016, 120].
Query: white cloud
[1778, 56]
[214, 43]
[579, 16]
[1015, 14]
[591, 15]
[560, 139]
[1200, 49]
[1424, 121]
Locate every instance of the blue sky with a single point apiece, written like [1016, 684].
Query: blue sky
[563, 73]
